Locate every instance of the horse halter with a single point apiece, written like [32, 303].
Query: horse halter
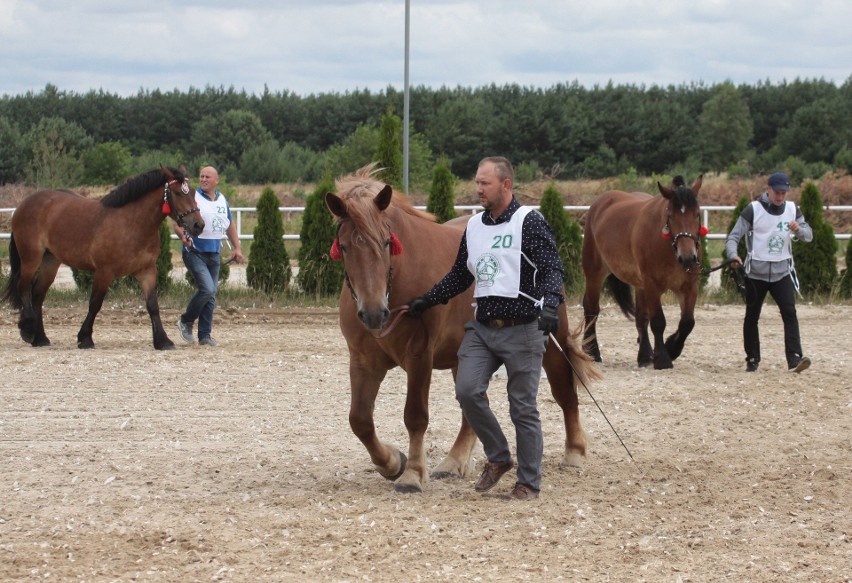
[667, 233]
[394, 246]
[167, 207]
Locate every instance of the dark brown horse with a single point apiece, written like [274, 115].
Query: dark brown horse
[392, 253]
[115, 236]
[654, 245]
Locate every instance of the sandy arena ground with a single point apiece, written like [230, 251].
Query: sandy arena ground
[237, 463]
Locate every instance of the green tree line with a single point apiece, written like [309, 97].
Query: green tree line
[59, 138]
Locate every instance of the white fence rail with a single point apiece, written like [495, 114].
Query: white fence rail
[473, 209]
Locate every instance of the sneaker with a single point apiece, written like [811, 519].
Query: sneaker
[185, 331]
[207, 341]
[803, 363]
[751, 365]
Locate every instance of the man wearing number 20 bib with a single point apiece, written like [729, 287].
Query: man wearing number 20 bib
[509, 254]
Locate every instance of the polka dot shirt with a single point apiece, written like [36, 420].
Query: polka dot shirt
[538, 245]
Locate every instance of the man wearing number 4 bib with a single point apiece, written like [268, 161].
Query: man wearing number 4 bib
[509, 254]
[770, 224]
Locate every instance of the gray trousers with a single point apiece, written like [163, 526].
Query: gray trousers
[521, 349]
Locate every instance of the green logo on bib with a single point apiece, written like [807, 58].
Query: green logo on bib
[776, 244]
[487, 268]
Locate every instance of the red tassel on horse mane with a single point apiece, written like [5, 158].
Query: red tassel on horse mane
[702, 232]
[335, 251]
[395, 245]
[167, 210]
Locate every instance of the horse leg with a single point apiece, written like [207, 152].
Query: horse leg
[28, 316]
[675, 342]
[595, 273]
[646, 354]
[416, 417]
[457, 464]
[365, 379]
[591, 310]
[148, 282]
[46, 276]
[658, 326]
[100, 285]
[563, 387]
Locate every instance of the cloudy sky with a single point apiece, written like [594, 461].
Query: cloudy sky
[335, 46]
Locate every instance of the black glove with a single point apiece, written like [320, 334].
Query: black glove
[548, 320]
[417, 306]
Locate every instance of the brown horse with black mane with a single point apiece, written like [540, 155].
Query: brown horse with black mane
[650, 243]
[392, 252]
[115, 236]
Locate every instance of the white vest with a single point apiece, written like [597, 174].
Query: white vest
[771, 234]
[494, 256]
[215, 215]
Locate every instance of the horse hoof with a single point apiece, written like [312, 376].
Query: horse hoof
[170, 346]
[572, 459]
[407, 488]
[41, 342]
[86, 345]
[645, 364]
[444, 475]
[403, 462]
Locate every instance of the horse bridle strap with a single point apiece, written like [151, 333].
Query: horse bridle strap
[395, 248]
[167, 192]
[685, 234]
[400, 312]
[667, 234]
[348, 281]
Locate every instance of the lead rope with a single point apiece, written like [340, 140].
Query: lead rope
[400, 312]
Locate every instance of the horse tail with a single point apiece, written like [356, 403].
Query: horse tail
[582, 363]
[623, 295]
[10, 292]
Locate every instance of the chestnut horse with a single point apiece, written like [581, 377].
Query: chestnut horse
[392, 253]
[115, 236]
[650, 243]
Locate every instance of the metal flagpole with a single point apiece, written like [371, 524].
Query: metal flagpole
[405, 103]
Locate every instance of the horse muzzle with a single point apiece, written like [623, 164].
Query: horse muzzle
[687, 261]
[191, 221]
[375, 319]
[687, 255]
[194, 227]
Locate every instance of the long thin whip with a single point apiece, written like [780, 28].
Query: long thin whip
[568, 360]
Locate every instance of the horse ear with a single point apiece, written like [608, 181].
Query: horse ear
[335, 204]
[167, 171]
[696, 186]
[383, 199]
[665, 190]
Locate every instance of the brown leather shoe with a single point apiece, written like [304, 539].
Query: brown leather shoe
[522, 492]
[491, 475]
